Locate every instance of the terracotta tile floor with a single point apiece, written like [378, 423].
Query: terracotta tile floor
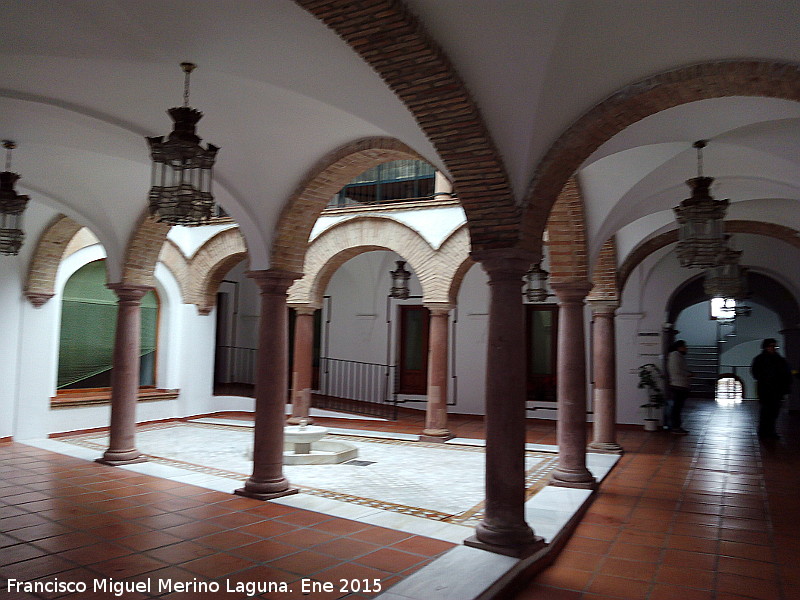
[71, 520]
[713, 515]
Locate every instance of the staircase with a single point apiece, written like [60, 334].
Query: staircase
[703, 361]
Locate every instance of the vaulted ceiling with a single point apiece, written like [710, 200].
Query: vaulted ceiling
[82, 83]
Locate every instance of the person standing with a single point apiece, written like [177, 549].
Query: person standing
[773, 379]
[679, 377]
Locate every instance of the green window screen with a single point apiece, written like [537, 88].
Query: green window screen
[88, 324]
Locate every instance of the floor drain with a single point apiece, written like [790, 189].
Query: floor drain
[360, 463]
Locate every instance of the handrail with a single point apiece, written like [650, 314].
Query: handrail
[357, 386]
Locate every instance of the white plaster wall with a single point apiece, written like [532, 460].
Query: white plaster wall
[433, 224]
[38, 359]
[472, 328]
[11, 305]
[189, 239]
[199, 359]
[185, 359]
[641, 314]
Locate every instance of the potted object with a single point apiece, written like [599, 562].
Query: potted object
[649, 379]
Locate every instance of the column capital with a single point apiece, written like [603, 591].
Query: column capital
[304, 308]
[273, 281]
[129, 292]
[571, 291]
[506, 263]
[438, 308]
[38, 299]
[603, 307]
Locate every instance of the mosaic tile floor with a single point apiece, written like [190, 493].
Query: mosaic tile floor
[392, 481]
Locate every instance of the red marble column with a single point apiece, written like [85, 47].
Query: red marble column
[604, 360]
[436, 410]
[302, 365]
[503, 528]
[267, 481]
[125, 377]
[571, 430]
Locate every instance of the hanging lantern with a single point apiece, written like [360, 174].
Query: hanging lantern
[12, 205]
[536, 284]
[400, 277]
[701, 231]
[180, 192]
[727, 279]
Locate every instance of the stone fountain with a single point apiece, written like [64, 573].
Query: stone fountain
[303, 445]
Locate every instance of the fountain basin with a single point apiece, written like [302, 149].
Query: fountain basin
[303, 445]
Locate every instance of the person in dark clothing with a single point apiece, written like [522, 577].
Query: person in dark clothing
[679, 377]
[773, 379]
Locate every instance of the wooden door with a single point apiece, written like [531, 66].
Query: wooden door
[413, 350]
[541, 339]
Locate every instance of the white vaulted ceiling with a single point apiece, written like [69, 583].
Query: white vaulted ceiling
[82, 83]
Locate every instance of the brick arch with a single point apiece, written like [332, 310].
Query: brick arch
[210, 264]
[143, 250]
[47, 256]
[455, 260]
[566, 236]
[648, 246]
[340, 243]
[324, 180]
[173, 259]
[642, 99]
[604, 274]
[420, 73]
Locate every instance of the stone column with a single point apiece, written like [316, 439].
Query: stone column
[125, 377]
[442, 188]
[436, 410]
[503, 528]
[267, 481]
[605, 377]
[571, 430]
[303, 364]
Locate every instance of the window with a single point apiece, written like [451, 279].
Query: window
[88, 325]
[395, 181]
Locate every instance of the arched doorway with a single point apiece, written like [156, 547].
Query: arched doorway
[725, 346]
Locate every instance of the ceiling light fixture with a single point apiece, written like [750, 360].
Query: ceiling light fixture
[180, 192]
[12, 205]
[701, 235]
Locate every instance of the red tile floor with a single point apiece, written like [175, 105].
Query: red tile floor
[714, 515]
[711, 515]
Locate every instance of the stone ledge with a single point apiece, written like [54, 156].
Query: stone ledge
[99, 397]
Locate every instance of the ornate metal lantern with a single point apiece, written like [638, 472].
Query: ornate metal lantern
[727, 279]
[400, 277]
[180, 192]
[536, 284]
[701, 235]
[12, 205]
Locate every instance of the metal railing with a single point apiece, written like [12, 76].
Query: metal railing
[234, 364]
[359, 387]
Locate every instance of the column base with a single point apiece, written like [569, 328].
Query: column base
[118, 459]
[265, 495]
[582, 479]
[523, 550]
[435, 435]
[266, 490]
[296, 420]
[606, 447]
